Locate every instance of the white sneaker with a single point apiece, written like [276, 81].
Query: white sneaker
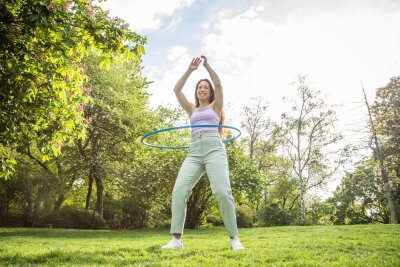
[173, 244]
[236, 245]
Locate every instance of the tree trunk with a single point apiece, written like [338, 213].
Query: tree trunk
[197, 203]
[302, 204]
[62, 196]
[28, 212]
[90, 188]
[193, 214]
[7, 206]
[99, 191]
[389, 196]
[58, 204]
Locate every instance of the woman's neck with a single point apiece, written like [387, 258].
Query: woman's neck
[203, 104]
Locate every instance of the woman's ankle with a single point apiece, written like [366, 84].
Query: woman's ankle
[177, 236]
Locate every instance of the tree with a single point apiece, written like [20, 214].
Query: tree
[386, 112]
[360, 197]
[263, 134]
[385, 127]
[309, 134]
[42, 44]
[256, 124]
[146, 182]
[117, 115]
[246, 181]
[38, 189]
[283, 186]
[262, 142]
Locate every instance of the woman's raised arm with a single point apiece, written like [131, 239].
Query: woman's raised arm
[219, 96]
[186, 105]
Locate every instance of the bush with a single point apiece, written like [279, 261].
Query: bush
[112, 212]
[135, 215]
[303, 222]
[78, 218]
[159, 217]
[272, 215]
[244, 216]
[214, 219]
[13, 219]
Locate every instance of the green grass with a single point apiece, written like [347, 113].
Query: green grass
[358, 245]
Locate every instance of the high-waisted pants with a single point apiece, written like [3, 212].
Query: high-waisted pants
[207, 154]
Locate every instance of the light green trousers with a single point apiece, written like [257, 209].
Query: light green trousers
[207, 154]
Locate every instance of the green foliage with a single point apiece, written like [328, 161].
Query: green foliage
[386, 113]
[214, 219]
[78, 218]
[245, 216]
[42, 45]
[319, 213]
[310, 135]
[263, 134]
[116, 115]
[146, 182]
[360, 198]
[30, 194]
[246, 181]
[281, 186]
[113, 211]
[272, 215]
[302, 222]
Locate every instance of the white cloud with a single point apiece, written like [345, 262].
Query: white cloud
[173, 24]
[162, 87]
[337, 46]
[337, 49]
[144, 14]
[176, 52]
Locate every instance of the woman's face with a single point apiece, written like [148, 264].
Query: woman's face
[203, 91]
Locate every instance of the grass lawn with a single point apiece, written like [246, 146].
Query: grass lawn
[356, 245]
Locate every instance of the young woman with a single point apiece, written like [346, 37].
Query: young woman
[207, 154]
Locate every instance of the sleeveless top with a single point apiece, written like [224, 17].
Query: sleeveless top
[204, 115]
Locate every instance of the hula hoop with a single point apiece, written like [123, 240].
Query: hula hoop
[188, 126]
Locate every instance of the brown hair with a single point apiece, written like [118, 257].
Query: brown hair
[222, 131]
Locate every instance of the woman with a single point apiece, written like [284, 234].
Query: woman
[207, 154]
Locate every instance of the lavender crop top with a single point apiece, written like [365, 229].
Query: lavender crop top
[205, 115]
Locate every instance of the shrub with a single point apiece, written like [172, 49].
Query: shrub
[303, 222]
[214, 219]
[78, 218]
[13, 219]
[135, 215]
[272, 215]
[244, 216]
[159, 217]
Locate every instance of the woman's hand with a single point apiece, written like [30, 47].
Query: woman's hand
[195, 64]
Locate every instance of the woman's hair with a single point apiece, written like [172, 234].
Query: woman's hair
[222, 131]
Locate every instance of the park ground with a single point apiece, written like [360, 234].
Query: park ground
[350, 245]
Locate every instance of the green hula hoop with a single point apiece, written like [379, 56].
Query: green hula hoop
[184, 127]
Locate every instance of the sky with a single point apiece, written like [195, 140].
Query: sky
[258, 48]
